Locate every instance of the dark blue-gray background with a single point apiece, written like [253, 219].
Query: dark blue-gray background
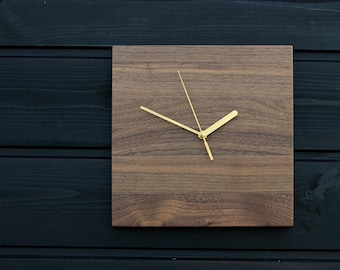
[55, 133]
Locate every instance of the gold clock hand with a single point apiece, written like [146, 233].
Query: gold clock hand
[201, 135]
[170, 120]
[220, 123]
[207, 148]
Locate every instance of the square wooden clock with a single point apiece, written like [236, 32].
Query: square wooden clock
[202, 136]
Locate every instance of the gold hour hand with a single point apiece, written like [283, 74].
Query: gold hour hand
[170, 120]
[220, 123]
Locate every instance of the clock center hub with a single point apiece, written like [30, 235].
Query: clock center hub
[202, 135]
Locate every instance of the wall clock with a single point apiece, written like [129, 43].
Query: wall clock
[202, 136]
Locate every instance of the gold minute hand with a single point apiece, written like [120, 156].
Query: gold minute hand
[201, 135]
[170, 120]
[220, 123]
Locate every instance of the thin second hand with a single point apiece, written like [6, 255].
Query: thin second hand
[188, 98]
[194, 113]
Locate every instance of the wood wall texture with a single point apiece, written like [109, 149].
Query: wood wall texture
[55, 133]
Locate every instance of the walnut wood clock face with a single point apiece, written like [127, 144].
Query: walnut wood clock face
[202, 136]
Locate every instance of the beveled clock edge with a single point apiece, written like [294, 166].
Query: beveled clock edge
[279, 46]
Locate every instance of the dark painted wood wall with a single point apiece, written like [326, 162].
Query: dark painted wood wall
[55, 126]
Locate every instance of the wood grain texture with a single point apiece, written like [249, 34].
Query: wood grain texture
[53, 195]
[169, 254]
[181, 209]
[55, 135]
[304, 24]
[158, 169]
[173, 263]
[66, 98]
